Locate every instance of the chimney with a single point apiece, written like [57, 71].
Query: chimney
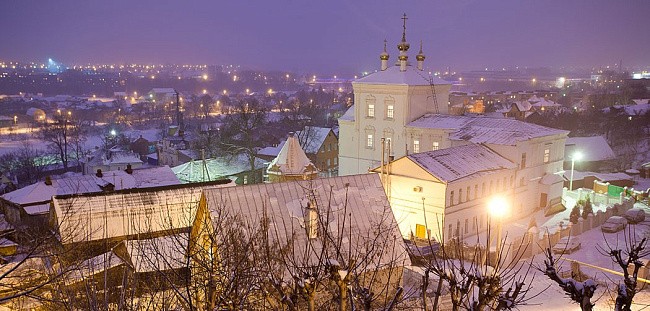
[48, 180]
[128, 169]
[311, 221]
[99, 173]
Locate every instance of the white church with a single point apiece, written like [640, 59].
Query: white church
[401, 111]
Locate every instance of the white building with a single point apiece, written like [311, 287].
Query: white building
[407, 110]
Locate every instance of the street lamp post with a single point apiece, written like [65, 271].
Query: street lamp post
[576, 156]
[498, 209]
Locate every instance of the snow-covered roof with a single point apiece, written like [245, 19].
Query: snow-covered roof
[98, 216]
[357, 204]
[593, 148]
[215, 168]
[92, 266]
[480, 129]
[158, 254]
[348, 115]
[272, 151]
[108, 157]
[393, 75]
[291, 160]
[454, 163]
[140, 178]
[577, 175]
[312, 138]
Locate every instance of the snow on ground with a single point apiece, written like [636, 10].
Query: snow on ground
[552, 298]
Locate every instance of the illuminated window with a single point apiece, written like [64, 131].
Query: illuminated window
[416, 146]
[369, 142]
[245, 179]
[547, 155]
[371, 110]
[390, 111]
[436, 145]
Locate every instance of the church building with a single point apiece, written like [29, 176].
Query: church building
[401, 110]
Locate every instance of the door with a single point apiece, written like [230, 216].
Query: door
[543, 198]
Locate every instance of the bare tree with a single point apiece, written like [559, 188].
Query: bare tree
[243, 130]
[65, 139]
[476, 278]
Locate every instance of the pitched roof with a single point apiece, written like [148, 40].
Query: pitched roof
[140, 178]
[158, 254]
[478, 129]
[215, 168]
[454, 163]
[392, 75]
[594, 148]
[314, 137]
[348, 115]
[357, 203]
[126, 213]
[291, 160]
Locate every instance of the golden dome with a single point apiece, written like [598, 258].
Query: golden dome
[384, 55]
[403, 57]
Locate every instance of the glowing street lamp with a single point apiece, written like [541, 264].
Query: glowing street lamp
[498, 208]
[576, 156]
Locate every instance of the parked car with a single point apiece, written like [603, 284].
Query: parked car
[614, 224]
[567, 245]
[634, 215]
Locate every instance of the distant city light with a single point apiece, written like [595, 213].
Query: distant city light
[205, 77]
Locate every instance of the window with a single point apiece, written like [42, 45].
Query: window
[467, 198]
[436, 145]
[460, 196]
[505, 182]
[369, 141]
[547, 155]
[475, 192]
[466, 226]
[512, 181]
[523, 160]
[416, 146]
[451, 230]
[483, 190]
[491, 186]
[390, 111]
[329, 147]
[336, 161]
[328, 162]
[245, 179]
[371, 110]
[451, 198]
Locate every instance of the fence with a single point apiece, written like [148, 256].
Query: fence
[532, 244]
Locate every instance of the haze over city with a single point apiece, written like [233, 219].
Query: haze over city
[327, 37]
[333, 155]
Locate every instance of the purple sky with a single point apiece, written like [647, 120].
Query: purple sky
[328, 36]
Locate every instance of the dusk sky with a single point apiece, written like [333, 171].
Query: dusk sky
[328, 36]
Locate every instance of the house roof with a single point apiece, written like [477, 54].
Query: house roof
[123, 213]
[113, 156]
[215, 168]
[291, 160]
[348, 115]
[158, 254]
[356, 203]
[140, 178]
[479, 129]
[313, 137]
[593, 148]
[454, 163]
[392, 75]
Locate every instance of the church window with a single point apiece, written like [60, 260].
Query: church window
[390, 111]
[451, 198]
[369, 141]
[436, 145]
[547, 155]
[371, 110]
[416, 146]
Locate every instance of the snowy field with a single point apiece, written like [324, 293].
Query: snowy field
[12, 143]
